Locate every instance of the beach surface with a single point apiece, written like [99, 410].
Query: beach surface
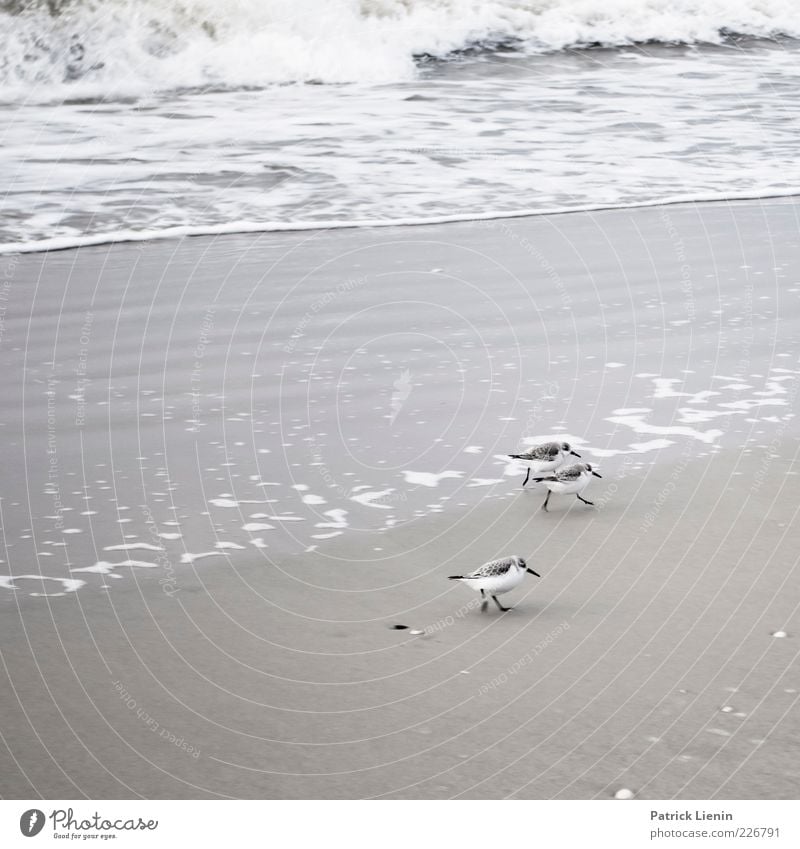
[231, 466]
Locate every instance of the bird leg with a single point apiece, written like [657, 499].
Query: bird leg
[527, 476]
[485, 602]
[590, 503]
[503, 609]
[544, 506]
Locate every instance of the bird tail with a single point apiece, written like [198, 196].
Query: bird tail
[516, 456]
[454, 577]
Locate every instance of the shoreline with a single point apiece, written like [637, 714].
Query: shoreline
[126, 237]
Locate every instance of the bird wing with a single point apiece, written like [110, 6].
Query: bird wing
[545, 451]
[493, 568]
[570, 473]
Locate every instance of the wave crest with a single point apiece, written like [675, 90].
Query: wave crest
[56, 48]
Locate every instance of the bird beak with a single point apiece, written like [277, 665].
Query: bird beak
[575, 453]
[533, 573]
[596, 475]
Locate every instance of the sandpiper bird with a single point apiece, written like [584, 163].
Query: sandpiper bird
[572, 479]
[495, 578]
[545, 457]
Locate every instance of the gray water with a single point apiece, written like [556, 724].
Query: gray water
[483, 133]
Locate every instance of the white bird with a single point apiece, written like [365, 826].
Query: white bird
[495, 578]
[568, 481]
[545, 457]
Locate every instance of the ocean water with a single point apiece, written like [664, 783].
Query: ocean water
[125, 119]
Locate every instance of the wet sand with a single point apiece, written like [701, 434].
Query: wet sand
[203, 386]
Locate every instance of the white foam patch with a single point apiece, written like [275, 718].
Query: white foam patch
[222, 544]
[133, 546]
[752, 403]
[327, 536]
[231, 502]
[485, 482]
[285, 518]
[637, 424]
[70, 585]
[773, 387]
[652, 445]
[170, 536]
[615, 365]
[313, 499]
[511, 468]
[188, 557]
[103, 567]
[664, 389]
[252, 527]
[688, 415]
[429, 478]
[367, 498]
[337, 517]
[473, 449]
[258, 542]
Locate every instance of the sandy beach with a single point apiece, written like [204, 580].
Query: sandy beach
[232, 465]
